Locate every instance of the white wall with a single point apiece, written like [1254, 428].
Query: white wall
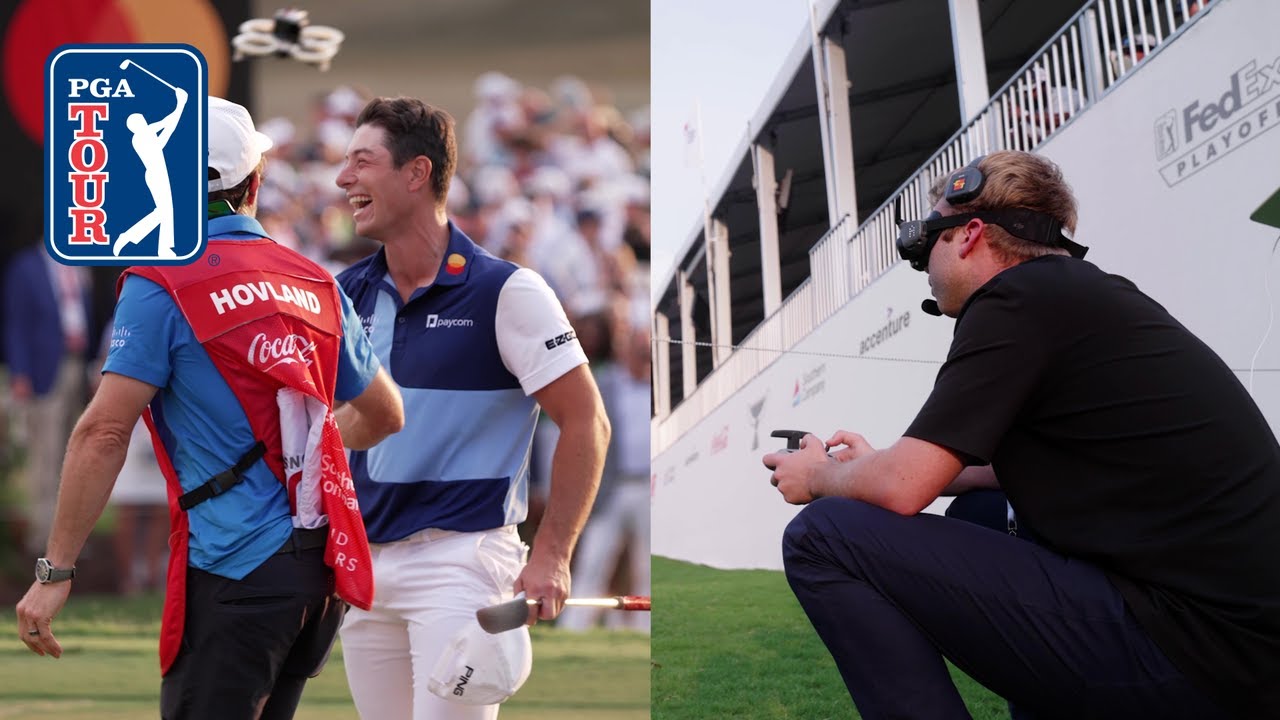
[712, 501]
[1185, 241]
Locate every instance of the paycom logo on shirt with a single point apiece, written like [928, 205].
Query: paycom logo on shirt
[126, 167]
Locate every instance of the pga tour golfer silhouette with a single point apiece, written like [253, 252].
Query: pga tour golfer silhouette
[149, 141]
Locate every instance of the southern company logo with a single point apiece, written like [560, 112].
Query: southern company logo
[126, 168]
[809, 384]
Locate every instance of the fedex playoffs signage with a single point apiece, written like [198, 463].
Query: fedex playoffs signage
[126, 165]
[1220, 119]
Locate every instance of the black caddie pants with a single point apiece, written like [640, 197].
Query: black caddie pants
[249, 646]
[891, 596]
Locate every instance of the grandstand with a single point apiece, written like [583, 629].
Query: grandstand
[788, 307]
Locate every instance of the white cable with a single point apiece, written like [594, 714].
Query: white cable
[1271, 313]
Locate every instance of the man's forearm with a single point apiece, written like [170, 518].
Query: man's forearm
[354, 431]
[869, 478]
[372, 415]
[904, 477]
[576, 465]
[95, 455]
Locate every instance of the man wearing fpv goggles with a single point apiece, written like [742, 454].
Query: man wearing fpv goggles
[962, 189]
[1150, 478]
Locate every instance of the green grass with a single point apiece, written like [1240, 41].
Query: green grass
[109, 671]
[735, 644]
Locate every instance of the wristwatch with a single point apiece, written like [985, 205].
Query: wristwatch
[46, 573]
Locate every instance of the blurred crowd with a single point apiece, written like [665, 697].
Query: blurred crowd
[555, 179]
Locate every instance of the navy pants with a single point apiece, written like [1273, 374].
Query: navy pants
[891, 596]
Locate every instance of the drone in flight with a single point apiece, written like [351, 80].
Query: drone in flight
[288, 34]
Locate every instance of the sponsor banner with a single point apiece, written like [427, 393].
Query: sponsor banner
[838, 388]
[720, 441]
[1204, 130]
[809, 384]
[692, 458]
[126, 163]
[892, 326]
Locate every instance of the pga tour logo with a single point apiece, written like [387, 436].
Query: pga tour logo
[126, 167]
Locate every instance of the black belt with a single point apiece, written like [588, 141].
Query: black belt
[224, 480]
[303, 539]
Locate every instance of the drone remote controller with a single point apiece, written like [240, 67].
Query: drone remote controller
[792, 437]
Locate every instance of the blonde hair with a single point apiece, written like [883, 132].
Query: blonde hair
[1015, 179]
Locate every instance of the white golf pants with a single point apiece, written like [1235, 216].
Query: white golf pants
[426, 587]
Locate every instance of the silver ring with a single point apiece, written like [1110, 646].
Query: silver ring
[33, 632]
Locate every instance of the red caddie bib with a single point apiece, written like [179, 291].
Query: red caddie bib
[271, 321]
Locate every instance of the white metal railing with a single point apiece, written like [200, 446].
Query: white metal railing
[1098, 47]
[830, 271]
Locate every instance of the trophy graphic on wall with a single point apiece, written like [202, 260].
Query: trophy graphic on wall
[755, 408]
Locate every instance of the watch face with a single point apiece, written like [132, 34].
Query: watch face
[47, 573]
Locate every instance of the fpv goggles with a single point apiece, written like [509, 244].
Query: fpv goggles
[916, 238]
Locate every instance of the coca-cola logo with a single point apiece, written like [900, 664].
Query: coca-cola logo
[280, 351]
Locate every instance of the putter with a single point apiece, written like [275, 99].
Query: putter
[127, 63]
[512, 614]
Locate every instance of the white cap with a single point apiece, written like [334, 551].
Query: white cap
[280, 130]
[344, 101]
[571, 91]
[334, 134]
[635, 189]
[549, 180]
[493, 184]
[494, 85]
[1145, 43]
[235, 147]
[517, 211]
[638, 313]
[587, 301]
[477, 668]
[640, 120]
[459, 196]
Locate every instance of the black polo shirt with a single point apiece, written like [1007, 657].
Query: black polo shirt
[1123, 440]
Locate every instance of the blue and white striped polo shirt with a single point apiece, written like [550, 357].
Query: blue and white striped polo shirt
[467, 353]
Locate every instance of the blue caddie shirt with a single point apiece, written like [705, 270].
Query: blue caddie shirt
[202, 426]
